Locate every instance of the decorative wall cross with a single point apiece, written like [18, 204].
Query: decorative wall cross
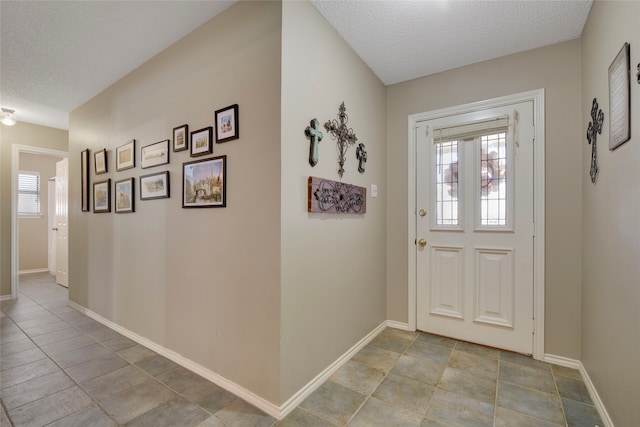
[344, 135]
[315, 136]
[361, 155]
[595, 127]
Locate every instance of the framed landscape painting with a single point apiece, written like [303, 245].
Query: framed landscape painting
[227, 124]
[126, 156]
[102, 196]
[154, 186]
[204, 183]
[100, 161]
[154, 154]
[181, 138]
[124, 200]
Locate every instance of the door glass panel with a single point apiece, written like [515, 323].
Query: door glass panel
[446, 182]
[493, 180]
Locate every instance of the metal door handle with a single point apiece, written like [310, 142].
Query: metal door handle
[422, 243]
[54, 229]
[422, 212]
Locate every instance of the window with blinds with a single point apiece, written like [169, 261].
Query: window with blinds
[28, 193]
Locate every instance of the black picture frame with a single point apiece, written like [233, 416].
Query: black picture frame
[620, 99]
[155, 186]
[155, 154]
[100, 161]
[227, 124]
[202, 142]
[181, 138]
[124, 195]
[126, 156]
[102, 196]
[204, 183]
[85, 190]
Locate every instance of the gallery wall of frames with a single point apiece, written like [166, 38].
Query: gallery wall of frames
[204, 176]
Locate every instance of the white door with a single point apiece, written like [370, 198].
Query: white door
[62, 225]
[474, 196]
[51, 221]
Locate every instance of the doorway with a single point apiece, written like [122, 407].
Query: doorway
[476, 220]
[37, 155]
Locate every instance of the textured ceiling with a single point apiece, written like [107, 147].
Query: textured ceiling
[56, 55]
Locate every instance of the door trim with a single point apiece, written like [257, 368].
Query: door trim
[15, 163]
[537, 97]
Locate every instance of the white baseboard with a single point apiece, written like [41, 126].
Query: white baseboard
[576, 364]
[6, 297]
[398, 325]
[313, 385]
[217, 379]
[33, 271]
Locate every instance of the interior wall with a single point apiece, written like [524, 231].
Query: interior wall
[557, 70]
[204, 283]
[33, 232]
[611, 220]
[24, 134]
[333, 265]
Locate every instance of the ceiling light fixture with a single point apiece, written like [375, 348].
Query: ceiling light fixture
[6, 117]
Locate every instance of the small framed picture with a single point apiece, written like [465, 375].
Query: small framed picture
[227, 124]
[619, 99]
[154, 154]
[204, 183]
[102, 196]
[100, 161]
[181, 138]
[124, 200]
[154, 186]
[126, 156]
[201, 142]
[85, 195]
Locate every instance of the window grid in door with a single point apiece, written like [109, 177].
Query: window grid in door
[494, 180]
[447, 172]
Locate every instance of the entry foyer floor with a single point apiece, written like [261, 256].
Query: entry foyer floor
[62, 368]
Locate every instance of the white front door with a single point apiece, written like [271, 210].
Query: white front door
[475, 226]
[62, 225]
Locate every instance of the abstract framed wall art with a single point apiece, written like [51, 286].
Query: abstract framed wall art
[619, 99]
[155, 154]
[154, 186]
[124, 196]
[85, 195]
[126, 156]
[202, 142]
[227, 124]
[100, 161]
[330, 196]
[181, 138]
[102, 196]
[204, 183]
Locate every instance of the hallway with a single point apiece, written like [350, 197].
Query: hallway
[62, 368]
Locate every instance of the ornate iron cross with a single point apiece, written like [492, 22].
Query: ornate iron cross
[345, 135]
[315, 136]
[361, 154]
[595, 127]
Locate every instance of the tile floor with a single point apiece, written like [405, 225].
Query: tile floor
[62, 368]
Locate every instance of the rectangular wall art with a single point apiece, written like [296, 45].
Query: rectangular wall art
[154, 154]
[204, 183]
[102, 196]
[336, 197]
[84, 183]
[124, 199]
[126, 156]
[154, 186]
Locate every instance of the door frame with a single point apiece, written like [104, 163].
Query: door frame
[15, 165]
[537, 97]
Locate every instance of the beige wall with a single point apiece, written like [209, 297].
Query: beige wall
[204, 283]
[23, 134]
[33, 233]
[333, 265]
[555, 69]
[611, 221]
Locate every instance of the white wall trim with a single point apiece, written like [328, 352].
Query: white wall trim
[312, 385]
[238, 390]
[537, 97]
[6, 298]
[270, 408]
[398, 325]
[33, 271]
[576, 364]
[15, 165]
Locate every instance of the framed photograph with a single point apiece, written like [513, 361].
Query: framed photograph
[201, 142]
[204, 183]
[102, 196]
[227, 124]
[84, 184]
[619, 99]
[154, 186]
[126, 156]
[181, 138]
[124, 200]
[155, 154]
[100, 161]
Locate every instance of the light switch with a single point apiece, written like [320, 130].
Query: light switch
[374, 190]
